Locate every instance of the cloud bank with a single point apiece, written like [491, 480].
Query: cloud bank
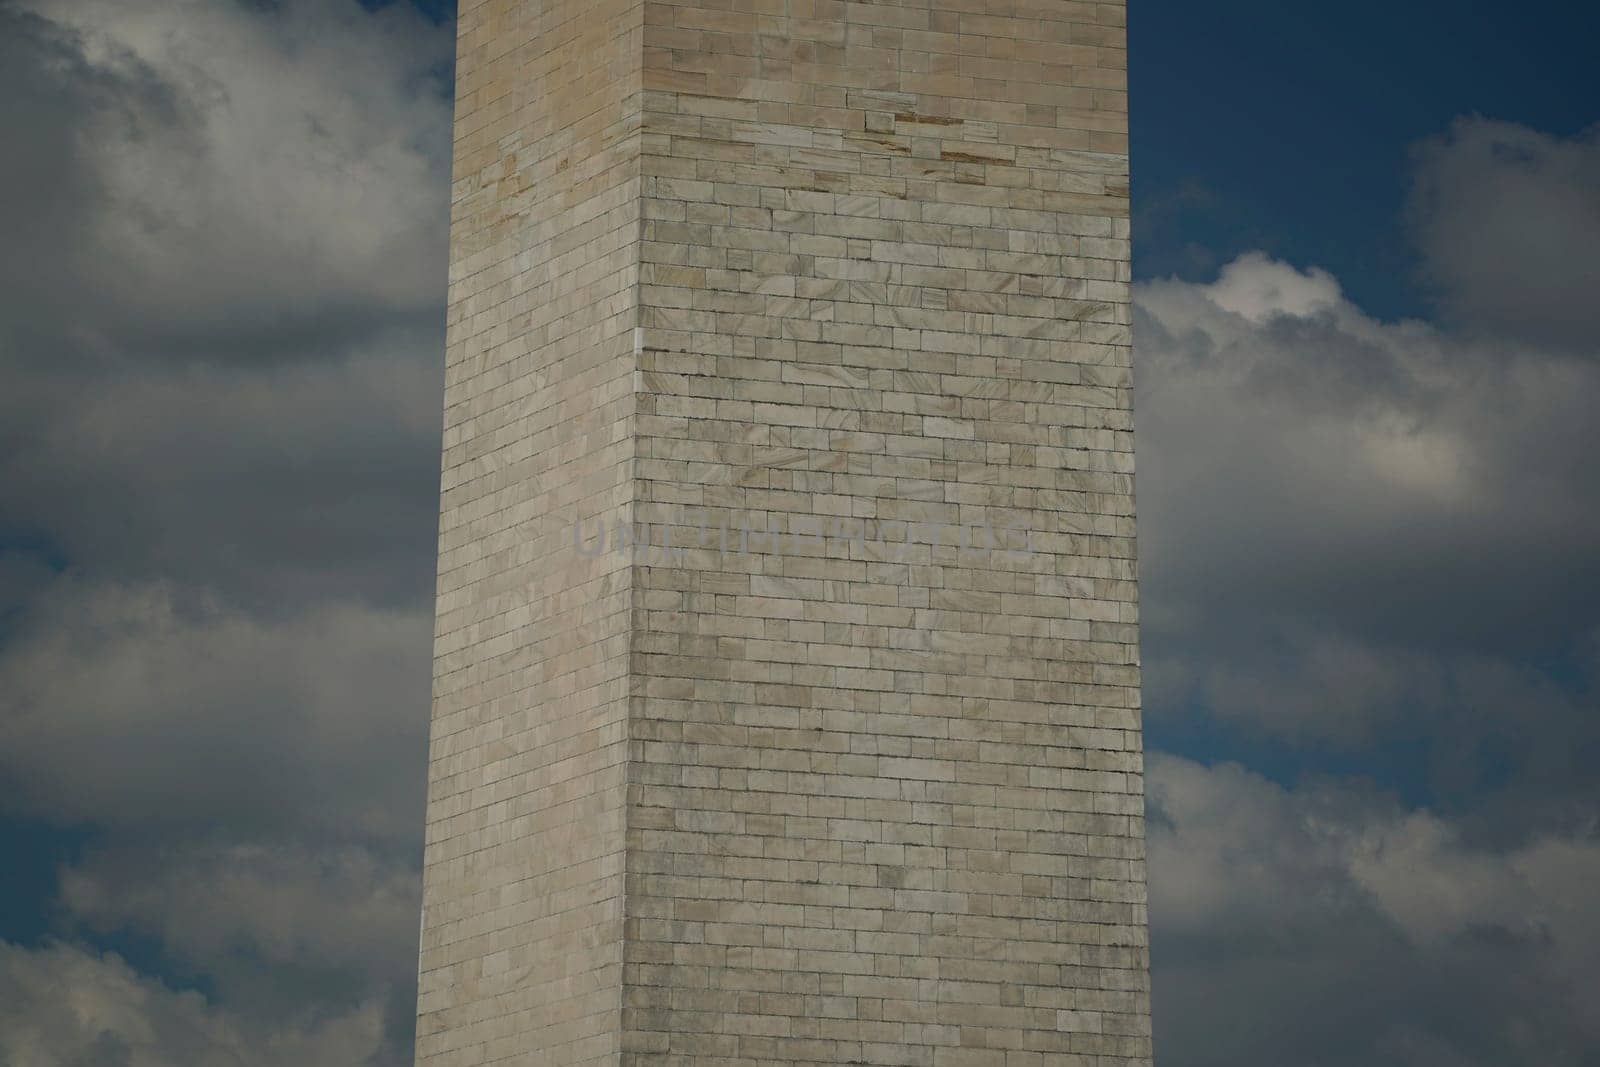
[220, 328]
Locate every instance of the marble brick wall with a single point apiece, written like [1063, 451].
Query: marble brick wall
[886, 792]
[834, 756]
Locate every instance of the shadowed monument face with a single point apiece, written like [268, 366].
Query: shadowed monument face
[829, 750]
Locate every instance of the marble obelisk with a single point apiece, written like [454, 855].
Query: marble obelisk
[786, 691]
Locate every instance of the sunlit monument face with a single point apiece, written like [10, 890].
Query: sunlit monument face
[786, 700]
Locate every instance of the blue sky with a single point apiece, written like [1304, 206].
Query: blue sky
[1286, 127]
[1367, 242]
[1290, 129]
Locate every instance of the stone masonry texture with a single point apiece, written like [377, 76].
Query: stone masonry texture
[786, 700]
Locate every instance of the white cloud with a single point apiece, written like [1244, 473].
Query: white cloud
[290, 164]
[1435, 885]
[63, 1006]
[282, 930]
[1325, 905]
[1339, 515]
[1363, 533]
[1259, 287]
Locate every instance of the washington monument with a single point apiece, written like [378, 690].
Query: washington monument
[786, 687]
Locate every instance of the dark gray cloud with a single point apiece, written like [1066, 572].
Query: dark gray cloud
[59, 104]
[222, 341]
[1360, 535]
[220, 336]
[230, 182]
[1383, 478]
[338, 910]
[1328, 925]
[1357, 532]
[1508, 220]
[274, 485]
[128, 707]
